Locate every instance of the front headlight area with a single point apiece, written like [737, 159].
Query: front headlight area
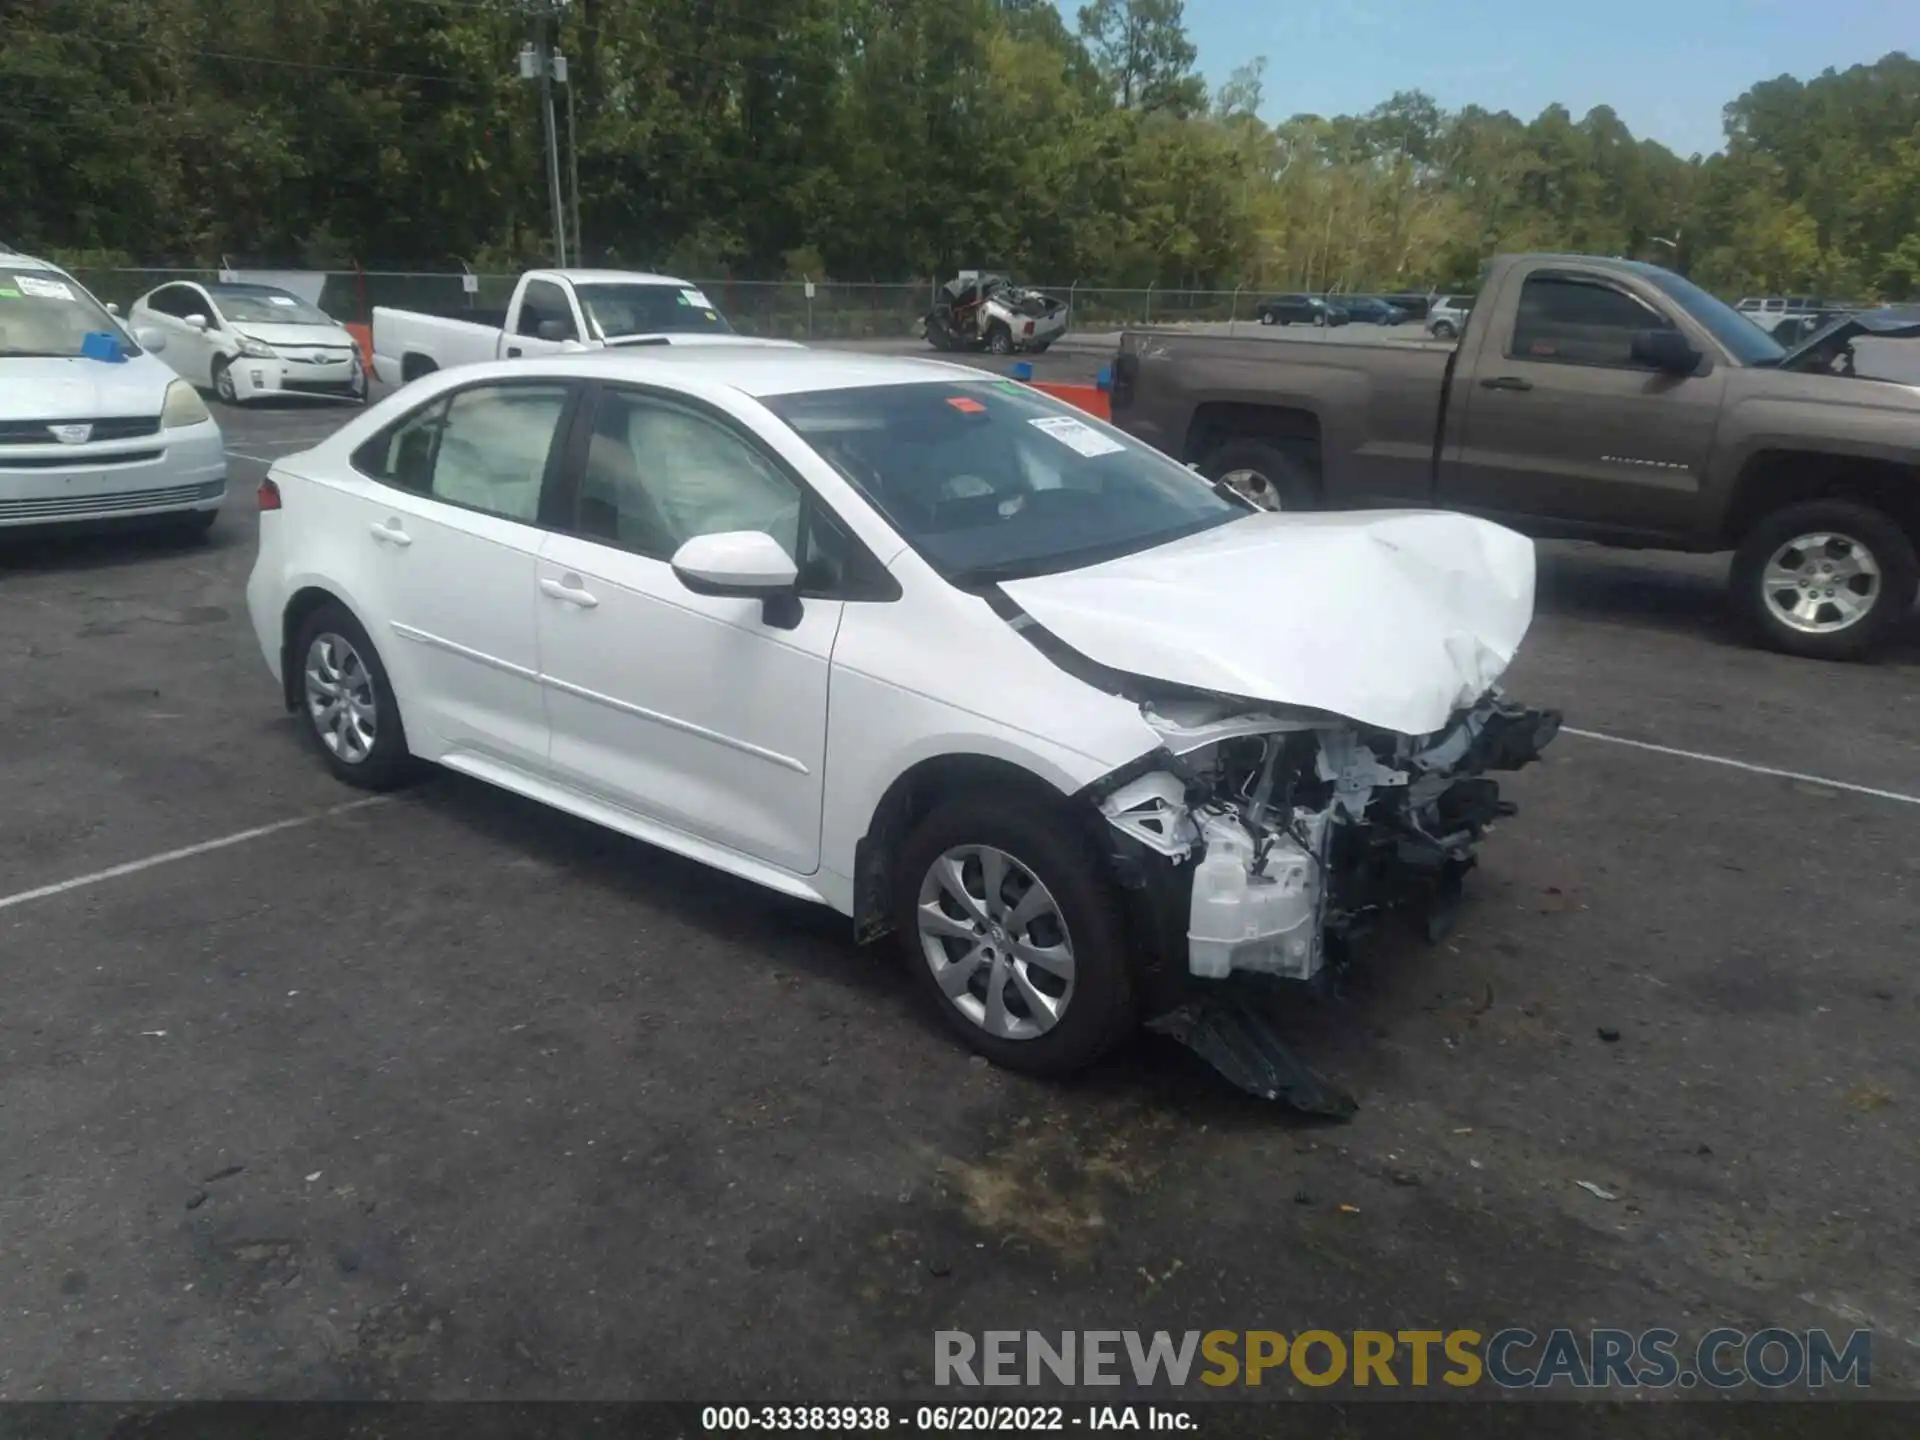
[183, 407]
[1293, 833]
[257, 349]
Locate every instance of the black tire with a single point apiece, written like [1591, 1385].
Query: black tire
[386, 764]
[222, 376]
[1288, 478]
[1101, 1009]
[1000, 340]
[1858, 525]
[1442, 330]
[939, 339]
[1266, 317]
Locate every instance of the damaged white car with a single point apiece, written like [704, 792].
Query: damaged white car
[1098, 742]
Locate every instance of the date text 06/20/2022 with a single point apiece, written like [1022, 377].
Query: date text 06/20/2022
[1514, 1358]
[944, 1419]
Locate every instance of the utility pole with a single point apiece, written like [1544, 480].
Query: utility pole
[573, 160]
[537, 63]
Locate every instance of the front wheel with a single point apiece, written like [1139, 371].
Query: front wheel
[223, 382]
[1826, 579]
[1263, 473]
[1266, 318]
[1000, 340]
[1014, 934]
[1442, 331]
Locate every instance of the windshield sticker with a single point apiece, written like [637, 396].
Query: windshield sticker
[286, 300]
[1077, 436]
[697, 300]
[6, 294]
[42, 289]
[966, 406]
[1009, 387]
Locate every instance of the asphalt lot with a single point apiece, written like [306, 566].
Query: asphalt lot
[449, 1096]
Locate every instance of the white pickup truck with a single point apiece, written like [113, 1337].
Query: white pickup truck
[551, 311]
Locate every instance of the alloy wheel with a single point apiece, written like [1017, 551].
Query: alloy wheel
[340, 700]
[1821, 583]
[996, 941]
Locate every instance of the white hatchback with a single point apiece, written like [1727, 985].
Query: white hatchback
[250, 342]
[923, 645]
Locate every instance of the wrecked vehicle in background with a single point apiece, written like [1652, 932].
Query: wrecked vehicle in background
[1097, 740]
[985, 310]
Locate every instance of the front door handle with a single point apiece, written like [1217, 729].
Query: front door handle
[513, 352]
[1505, 382]
[390, 534]
[570, 590]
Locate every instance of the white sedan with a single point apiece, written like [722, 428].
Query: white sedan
[93, 428]
[921, 645]
[245, 342]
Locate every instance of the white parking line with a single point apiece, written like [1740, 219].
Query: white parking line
[1743, 765]
[186, 852]
[242, 455]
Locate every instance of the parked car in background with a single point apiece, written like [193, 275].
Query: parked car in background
[551, 311]
[1588, 398]
[1447, 316]
[739, 603]
[247, 342]
[1300, 310]
[93, 427]
[1372, 310]
[1416, 307]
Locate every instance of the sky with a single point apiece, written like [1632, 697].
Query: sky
[1665, 66]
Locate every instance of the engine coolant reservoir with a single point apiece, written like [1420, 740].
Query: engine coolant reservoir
[1267, 923]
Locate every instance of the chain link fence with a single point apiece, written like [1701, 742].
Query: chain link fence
[776, 309]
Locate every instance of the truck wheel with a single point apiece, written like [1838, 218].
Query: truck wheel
[938, 337]
[1442, 330]
[1000, 340]
[1266, 474]
[1827, 579]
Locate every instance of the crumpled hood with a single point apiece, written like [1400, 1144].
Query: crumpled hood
[296, 337]
[1392, 618]
[35, 388]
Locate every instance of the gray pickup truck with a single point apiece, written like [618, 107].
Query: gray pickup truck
[1593, 399]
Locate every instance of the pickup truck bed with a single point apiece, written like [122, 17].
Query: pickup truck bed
[1588, 398]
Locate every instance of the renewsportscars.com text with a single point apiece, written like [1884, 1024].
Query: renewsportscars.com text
[1512, 1359]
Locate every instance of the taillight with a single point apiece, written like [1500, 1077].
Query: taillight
[268, 495]
[1029, 329]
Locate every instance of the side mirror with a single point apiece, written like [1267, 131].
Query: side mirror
[1665, 350]
[554, 330]
[113, 307]
[197, 322]
[150, 339]
[744, 563]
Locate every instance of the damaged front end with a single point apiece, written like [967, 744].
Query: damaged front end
[1266, 841]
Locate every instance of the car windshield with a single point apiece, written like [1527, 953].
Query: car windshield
[1744, 340]
[614, 310]
[991, 481]
[264, 305]
[44, 313]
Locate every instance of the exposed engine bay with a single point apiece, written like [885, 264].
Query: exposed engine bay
[1298, 831]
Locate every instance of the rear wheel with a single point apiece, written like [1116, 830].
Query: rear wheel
[1265, 473]
[1000, 340]
[1443, 330]
[1266, 317]
[1014, 934]
[1827, 579]
[349, 712]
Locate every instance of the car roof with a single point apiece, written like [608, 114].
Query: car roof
[14, 260]
[750, 370]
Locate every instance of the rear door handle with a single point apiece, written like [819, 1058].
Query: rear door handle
[513, 352]
[570, 590]
[390, 534]
[1505, 382]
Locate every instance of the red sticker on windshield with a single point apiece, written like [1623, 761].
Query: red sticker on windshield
[966, 406]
